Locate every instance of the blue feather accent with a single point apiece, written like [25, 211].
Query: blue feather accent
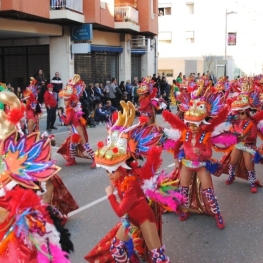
[34, 152]
[212, 167]
[181, 155]
[143, 148]
[37, 167]
[130, 247]
[21, 145]
[257, 157]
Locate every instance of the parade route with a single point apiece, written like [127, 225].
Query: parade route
[196, 240]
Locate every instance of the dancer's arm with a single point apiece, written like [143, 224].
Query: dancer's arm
[126, 203]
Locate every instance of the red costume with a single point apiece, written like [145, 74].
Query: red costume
[30, 231]
[239, 162]
[193, 149]
[77, 143]
[133, 141]
[133, 203]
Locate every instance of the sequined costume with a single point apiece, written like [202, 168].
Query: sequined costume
[77, 143]
[239, 161]
[193, 150]
[30, 231]
[125, 144]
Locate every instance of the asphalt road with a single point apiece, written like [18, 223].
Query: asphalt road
[195, 240]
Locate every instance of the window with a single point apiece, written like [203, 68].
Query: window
[189, 36]
[190, 8]
[164, 11]
[165, 37]
[165, 72]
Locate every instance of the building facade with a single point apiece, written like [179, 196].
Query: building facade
[210, 35]
[98, 39]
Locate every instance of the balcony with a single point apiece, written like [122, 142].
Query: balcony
[67, 9]
[126, 17]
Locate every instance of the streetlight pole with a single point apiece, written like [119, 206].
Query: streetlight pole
[226, 37]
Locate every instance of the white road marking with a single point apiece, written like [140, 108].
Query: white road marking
[87, 206]
[97, 201]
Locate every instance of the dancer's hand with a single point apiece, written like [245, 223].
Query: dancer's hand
[109, 190]
[196, 150]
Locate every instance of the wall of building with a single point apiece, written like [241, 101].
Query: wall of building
[208, 22]
[105, 38]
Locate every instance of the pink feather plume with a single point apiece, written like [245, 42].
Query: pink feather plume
[173, 200]
[58, 256]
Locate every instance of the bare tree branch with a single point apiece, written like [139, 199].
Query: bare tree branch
[209, 59]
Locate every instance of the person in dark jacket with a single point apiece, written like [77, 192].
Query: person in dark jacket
[100, 116]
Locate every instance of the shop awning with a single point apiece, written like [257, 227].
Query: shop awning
[137, 51]
[106, 49]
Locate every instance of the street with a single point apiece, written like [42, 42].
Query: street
[195, 240]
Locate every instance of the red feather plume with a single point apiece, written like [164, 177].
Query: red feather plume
[15, 115]
[221, 117]
[153, 162]
[75, 138]
[153, 93]
[143, 119]
[174, 121]
[258, 117]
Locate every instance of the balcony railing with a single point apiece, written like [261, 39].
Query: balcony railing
[126, 13]
[74, 5]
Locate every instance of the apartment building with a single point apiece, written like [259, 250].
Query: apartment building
[210, 35]
[98, 39]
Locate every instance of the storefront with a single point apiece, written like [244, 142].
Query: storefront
[18, 64]
[100, 65]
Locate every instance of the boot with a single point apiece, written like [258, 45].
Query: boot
[71, 162]
[93, 165]
[119, 251]
[185, 192]
[211, 198]
[232, 173]
[158, 255]
[72, 153]
[252, 178]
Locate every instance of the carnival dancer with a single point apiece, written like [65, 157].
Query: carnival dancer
[148, 103]
[126, 143]
[56, 193]
[193, 152]
[77, 143]
[240, 161]
[30, 231]
[33, 109]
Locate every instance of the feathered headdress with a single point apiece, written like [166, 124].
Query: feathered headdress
[145, 86]
[126, 140]
[249, 97]
[73, 89]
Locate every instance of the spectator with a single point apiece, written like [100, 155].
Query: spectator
[107, 89]
[98, 93]
[101, 116]
[19, 93]
[41, 85]
[129, 89]
[119, 93]
[57, 83]
[179, 78]
[135, 81]
[135, 96]
[50, 99]
[112, 92]
[103, 99]
[213, 78]
[86, 103]
[109, 108]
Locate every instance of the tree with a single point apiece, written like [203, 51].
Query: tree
[209, 59]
